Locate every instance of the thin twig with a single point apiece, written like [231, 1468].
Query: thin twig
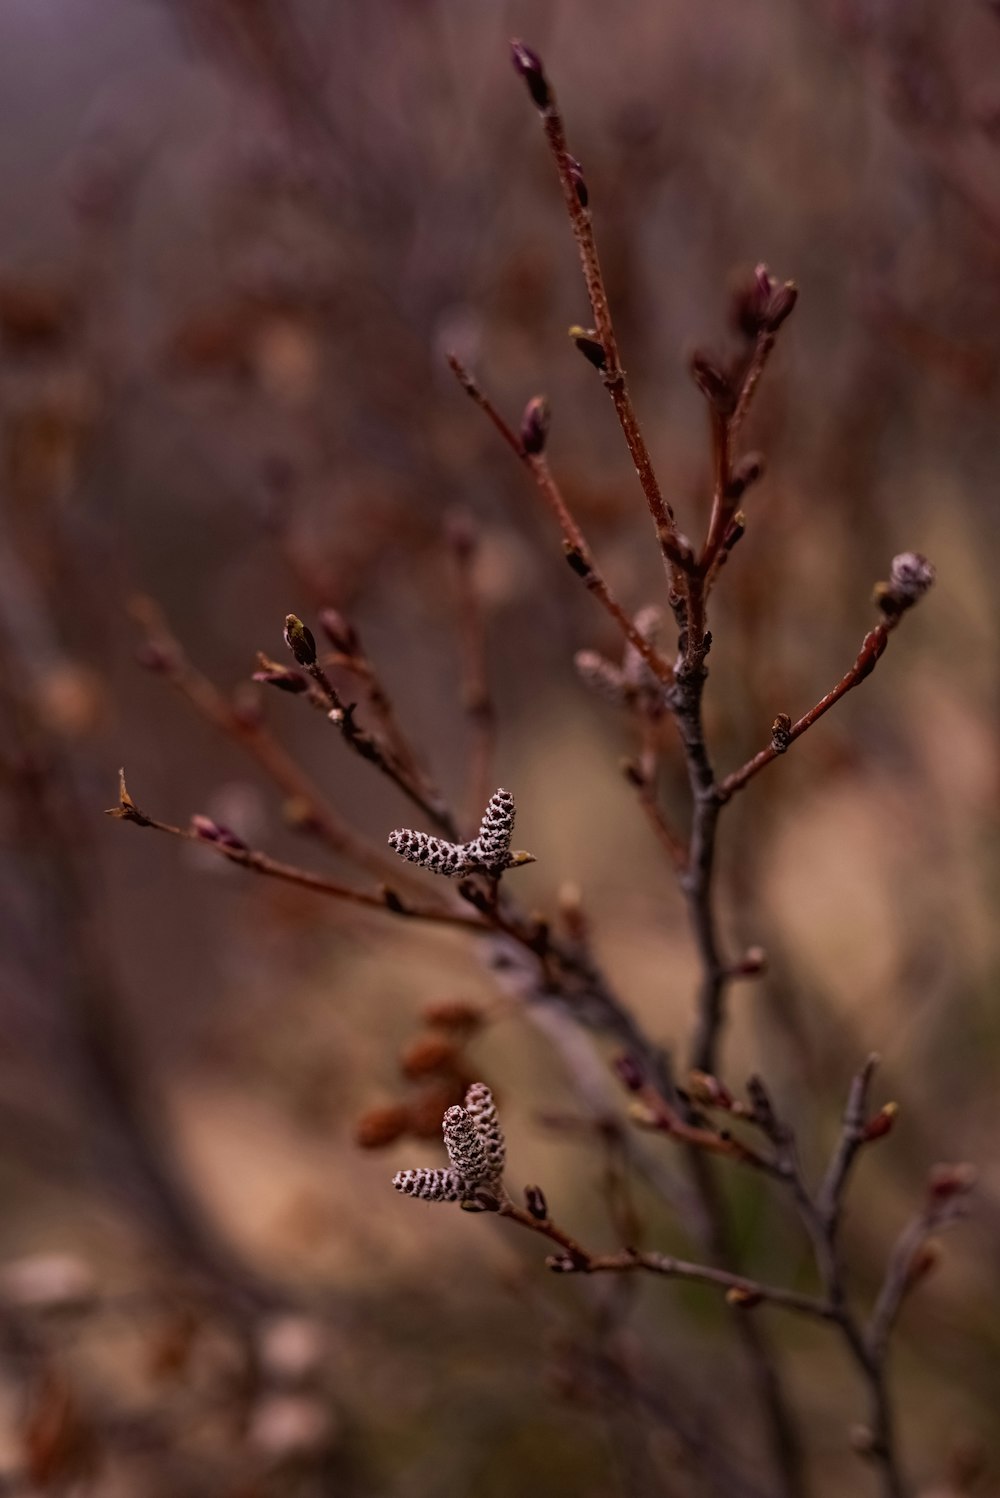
[739, 1290]
[385, 899]
[167, 658]
[829, 1201]
[578, 552]
[784, 734]
[577, 203]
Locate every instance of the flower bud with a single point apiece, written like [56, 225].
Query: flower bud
[535, 425]
[743, 1298]
[534, 1200]
[590, 345]
[713, 382]
[529, 65]
[300, 641]
[285, 678]
[214, 832]
[880, 1123]
[781, 733]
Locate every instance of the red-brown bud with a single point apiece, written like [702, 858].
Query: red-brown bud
[535, 425]
[211, 831]
[713, 382]
[529, 65]
[590, 345]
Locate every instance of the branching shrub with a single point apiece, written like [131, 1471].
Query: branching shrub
[712, 1119]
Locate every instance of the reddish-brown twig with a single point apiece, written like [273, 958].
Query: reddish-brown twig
[784, 732]
[739, 1290]
[163, 653]
[578, 552]
[577, 202]
[230, 848]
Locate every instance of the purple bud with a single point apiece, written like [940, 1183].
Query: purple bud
[214, 832]
[912, 575]
[629, 1072]
[535, 425]
[529, 65]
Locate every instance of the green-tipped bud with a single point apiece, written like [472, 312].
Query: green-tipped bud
[300, 641]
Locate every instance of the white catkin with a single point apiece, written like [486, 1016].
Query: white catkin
[430, 1185]
[465, 1148]
[487, 853]
[482, 1110]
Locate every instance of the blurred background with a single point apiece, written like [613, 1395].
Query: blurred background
[237, 238]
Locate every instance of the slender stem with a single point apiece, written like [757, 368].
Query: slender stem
[315, 813]
[613, 375]
[740, 1290]
[578, 551]
[872, 646]
[272, 868]
[425, 797]
[829, 1202]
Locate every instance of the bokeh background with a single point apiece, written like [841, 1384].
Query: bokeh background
[237, 238]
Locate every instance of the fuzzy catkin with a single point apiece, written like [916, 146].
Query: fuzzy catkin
[487, 853]
[434, 853]
[430, 1185]
[481, 1108]
[492, 844]
[465, 1148]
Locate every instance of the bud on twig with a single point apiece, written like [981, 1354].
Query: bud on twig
[704, 1088]
[743, 1298]
[300, 641]
[285, 678]
[590, 345]
[577, 179]
[535, 425]
[714, 384]
[749, 470]
[534, 1200]
[762, 304]
[529, 65]
[214, 832]
[577, 560]
[780, 733]
[880, 1123]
